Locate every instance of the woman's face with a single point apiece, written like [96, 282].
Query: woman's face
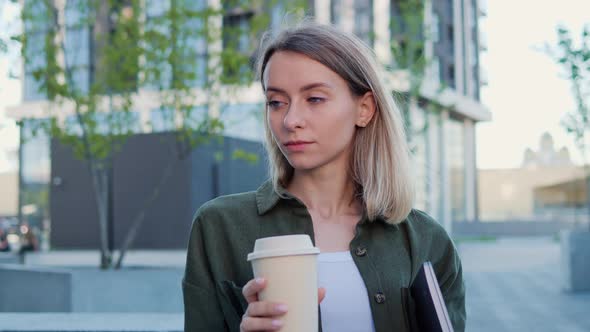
[311, 112]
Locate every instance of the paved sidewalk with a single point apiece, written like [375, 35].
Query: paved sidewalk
[104, 322]
[514, 285]
[164, 258]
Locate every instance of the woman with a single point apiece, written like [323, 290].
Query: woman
[4, 245]
[339, 172]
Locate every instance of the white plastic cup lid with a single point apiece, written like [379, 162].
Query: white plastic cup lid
[284, 245]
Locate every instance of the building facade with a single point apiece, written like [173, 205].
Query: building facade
[444, 148]
[547, 187]
[8, 201]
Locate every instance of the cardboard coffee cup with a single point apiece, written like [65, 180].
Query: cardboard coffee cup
[289, 264]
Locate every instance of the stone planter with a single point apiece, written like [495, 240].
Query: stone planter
[575, 260]
[89, 289]
[8, 258]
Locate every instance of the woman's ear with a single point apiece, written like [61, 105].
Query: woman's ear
[367, 107]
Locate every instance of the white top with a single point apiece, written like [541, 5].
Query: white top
[346, 306]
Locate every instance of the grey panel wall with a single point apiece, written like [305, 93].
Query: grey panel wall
[203, 183]
[74, 219]
[137, 172]
[138, 167]
[212, 177]
[239, 175]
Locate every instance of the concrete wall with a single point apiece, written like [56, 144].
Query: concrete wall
[9, 196]
[139, 289]
[92, 322]
[512, 228]
[8, 258]
[506, 194]
[87, 289]
[39, 289]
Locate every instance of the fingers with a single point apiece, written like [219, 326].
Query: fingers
[251, 289]
[260, 315]
[260, 324]
[266, 309]
[321, 294]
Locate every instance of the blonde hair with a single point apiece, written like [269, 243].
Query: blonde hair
[380, 164]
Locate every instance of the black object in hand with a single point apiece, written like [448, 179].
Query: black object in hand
[430, 309]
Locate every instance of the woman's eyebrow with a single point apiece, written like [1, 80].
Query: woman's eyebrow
[303, 88]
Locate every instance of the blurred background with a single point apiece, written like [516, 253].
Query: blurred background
[119, 118]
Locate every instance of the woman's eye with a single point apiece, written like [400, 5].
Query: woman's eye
[315, 100]
[274, 104]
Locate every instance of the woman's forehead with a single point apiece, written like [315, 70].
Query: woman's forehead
[294, 70]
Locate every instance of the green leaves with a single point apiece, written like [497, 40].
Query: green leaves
[574, 60]
[249, 157]
[133, 50]
[3, 46]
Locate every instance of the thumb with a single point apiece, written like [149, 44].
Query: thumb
[321, 294]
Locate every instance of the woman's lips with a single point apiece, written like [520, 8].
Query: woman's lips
[297, 145]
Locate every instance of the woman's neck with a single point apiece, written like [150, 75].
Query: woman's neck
[328, 194]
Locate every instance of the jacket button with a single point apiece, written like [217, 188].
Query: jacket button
[380, 298]
[361, 251]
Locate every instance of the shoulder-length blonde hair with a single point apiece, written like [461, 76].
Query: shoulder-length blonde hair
[380, 165]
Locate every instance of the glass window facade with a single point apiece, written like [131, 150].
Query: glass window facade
[455, 142]
[420, 156]
[35, 165]
[36, 26]
[335, 12]
[238, 44]
[243, 121]
[434, 28]
[78, 44]
[117, 122]
[363, 20]
[191, 39]
[162, 119]
[434, 183]
[197, 115]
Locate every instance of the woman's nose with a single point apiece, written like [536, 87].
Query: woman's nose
[294, 118]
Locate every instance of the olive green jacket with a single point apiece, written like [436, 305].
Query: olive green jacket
[387, 256]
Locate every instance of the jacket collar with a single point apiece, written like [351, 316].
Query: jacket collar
[266, 197]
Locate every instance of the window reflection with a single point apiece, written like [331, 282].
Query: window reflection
[243, 121]
[35, 176]
[419, 157]
[456, 165]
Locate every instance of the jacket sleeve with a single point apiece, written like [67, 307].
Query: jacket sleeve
[202, 310]
[450, 275]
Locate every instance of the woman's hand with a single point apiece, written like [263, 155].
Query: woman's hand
[264, 315]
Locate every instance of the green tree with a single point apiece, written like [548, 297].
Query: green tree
[409, 36]
[133, 51]
[574, 60]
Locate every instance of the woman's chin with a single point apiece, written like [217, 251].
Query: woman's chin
[302, 165]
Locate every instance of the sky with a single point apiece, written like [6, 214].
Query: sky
[525, 94]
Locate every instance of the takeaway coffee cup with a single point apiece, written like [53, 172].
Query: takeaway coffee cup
[289, 264]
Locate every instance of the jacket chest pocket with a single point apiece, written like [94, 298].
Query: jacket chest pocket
[233, 303]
